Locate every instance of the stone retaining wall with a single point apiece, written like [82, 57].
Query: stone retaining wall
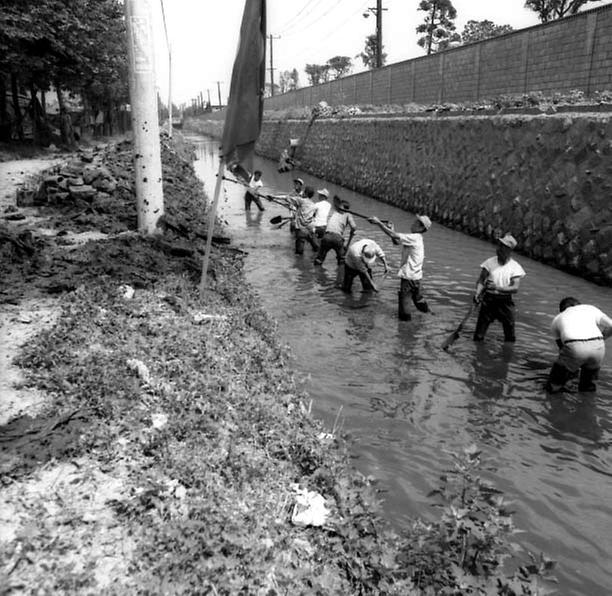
[546, 179]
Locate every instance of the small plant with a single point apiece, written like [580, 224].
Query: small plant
[470, 550]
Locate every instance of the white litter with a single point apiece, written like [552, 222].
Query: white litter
[309, 508]
[126, 291]
[200, 317]
[141, 368]
[159, 420]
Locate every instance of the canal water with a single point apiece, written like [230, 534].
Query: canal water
[405, 403]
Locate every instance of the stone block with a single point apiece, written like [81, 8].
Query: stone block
[84, 192]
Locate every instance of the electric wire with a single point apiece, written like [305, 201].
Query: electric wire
[304, 26]
[298, 55]
[292, 20]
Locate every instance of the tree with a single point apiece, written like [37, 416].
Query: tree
[479, 30]
[438, 26]
[317, 73]
[549, 10]
[368, 56]
[74, 45]
[340, 66]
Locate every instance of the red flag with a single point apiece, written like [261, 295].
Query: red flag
[245, 105]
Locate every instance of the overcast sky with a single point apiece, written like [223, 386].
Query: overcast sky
[204, 35]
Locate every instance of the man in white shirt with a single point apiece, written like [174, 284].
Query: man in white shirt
[579, 331]
[322, 207]
[411, 266]
[252, 193]
[359, 260]
[499, 280]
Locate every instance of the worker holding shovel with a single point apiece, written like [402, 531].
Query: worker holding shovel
[411, 267]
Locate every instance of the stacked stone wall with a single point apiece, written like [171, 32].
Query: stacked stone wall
[546, 179]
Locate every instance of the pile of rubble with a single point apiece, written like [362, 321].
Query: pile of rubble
[83, 178]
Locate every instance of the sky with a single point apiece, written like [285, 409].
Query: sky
[203, 36]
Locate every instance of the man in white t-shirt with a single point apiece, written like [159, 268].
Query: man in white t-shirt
[580, 331]
[411, 266]
[359, 260]
[322, 207]
[499, 280]
[252, 193]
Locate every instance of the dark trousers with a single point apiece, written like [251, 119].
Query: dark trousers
[330, 241]
[559, 375]
[350, 274]
[301, 237]
[495, 307]
[410, 290]
[248, 198]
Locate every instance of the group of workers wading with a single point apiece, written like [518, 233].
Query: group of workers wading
[579, 329]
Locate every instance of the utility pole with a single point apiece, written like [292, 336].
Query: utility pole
[377, 12]
[145, 125]
[209, 104]
[272, 38]
[379, 46]
[219, 92]
[169, 70]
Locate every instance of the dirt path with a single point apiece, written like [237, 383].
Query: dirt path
[20, 322]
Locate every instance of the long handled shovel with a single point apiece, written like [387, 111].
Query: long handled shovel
[450, 340]
[279, 219]
[384, 221]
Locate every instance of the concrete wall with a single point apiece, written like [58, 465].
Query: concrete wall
[571, 53]
[546, 179]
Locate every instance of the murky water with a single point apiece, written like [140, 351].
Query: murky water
[404, 401]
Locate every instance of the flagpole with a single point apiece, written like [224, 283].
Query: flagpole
[212, 215]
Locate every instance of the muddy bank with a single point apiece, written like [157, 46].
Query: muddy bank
[174, 448]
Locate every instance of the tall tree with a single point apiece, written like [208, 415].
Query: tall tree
[438, 26]
[368, 56]
[549, 10]
[339, 66]
[479, 30]
[75, 45]
[317, 73]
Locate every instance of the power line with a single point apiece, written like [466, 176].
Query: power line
[325, 37]
[292, 20]
[305, 26]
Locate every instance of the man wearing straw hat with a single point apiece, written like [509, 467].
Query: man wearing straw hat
[322, 208]
[499, 280]
[411, 267]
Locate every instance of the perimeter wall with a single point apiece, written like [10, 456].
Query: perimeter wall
[546, 179]
[574, 53]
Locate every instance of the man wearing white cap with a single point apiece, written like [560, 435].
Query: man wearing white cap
[322, 207]
[499, 280]
[411, 267]
[359, 260]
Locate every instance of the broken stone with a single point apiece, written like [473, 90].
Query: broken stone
[85, 192]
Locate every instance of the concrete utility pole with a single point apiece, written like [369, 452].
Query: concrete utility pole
[377, 12]
[219, 92]
[379, 45]
[272, 37]
[145, 125]
[169, 70]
